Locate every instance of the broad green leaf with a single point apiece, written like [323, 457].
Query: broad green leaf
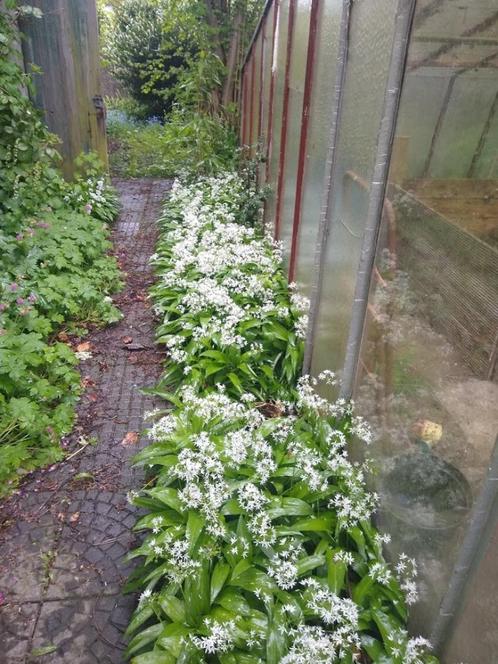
[218, 577]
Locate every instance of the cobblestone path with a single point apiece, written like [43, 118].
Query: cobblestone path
[64, 534]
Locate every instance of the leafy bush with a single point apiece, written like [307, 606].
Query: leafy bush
[54, 269]
[192, 142]
[141, 54]
[259, 544]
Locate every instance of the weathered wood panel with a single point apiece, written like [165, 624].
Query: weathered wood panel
[64, 44]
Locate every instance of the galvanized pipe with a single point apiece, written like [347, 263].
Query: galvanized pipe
[402, 31]
[330, 170]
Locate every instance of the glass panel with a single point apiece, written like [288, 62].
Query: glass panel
[279, 55]
[322, 101]
[267, 67]
[372, 27]
[475, 637]
[296, 93]
[256, 102]
[428, 375]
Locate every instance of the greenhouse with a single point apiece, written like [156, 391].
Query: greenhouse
[249, 331]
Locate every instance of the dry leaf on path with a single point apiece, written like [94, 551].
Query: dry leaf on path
[131, 438]
[83, 348]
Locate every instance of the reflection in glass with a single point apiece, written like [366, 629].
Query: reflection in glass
[428, 374]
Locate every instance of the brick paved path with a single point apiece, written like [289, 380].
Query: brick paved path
[64, 535]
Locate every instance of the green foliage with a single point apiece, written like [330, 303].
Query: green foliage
[189, 141]
[141, 54]
[54, 269]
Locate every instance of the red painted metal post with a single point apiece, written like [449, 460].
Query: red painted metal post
[269, 130]
[261, 75]
[251, 103]
[285, 113]
[244, 106]
[305, 118]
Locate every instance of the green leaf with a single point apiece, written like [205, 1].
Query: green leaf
[336, 572]
[173, 607]
[195, 524]
[219, 576]
[43, 650]
[288, 507]
[168, 497]
[308, 563]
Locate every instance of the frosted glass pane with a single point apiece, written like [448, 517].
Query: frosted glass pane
[280, 50]
[479, 609]
[267, 65]
[372, 27]
[322, 100]
[428, 376]
[296, 85]
[256, 102]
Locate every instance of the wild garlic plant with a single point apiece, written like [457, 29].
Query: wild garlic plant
[221, 298]
[258, 544]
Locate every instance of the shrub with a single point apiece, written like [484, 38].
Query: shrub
[144, 57]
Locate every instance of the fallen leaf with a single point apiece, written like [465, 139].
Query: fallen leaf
[127, 340]
[44, 650]
[92, 396]
[61, 516]
[131, 438]
[62, 336]
[87, 382]
[84, 476]
[74, 518]
[83, 348]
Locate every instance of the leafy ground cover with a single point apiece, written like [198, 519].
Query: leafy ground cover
[258, 541]
[55, 271]
[186, 141]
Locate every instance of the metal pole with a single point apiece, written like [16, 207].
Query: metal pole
[330, 169]
[243, 129]
[471, 546]
[303, 140]
[251, 104]
[285, 119]
[402, 31]
[483, 138]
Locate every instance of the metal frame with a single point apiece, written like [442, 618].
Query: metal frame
[251, 104]
[303, 140]
[326, 205]
[244, 108]
[261, 79]
[264, 13]
[397, 67]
